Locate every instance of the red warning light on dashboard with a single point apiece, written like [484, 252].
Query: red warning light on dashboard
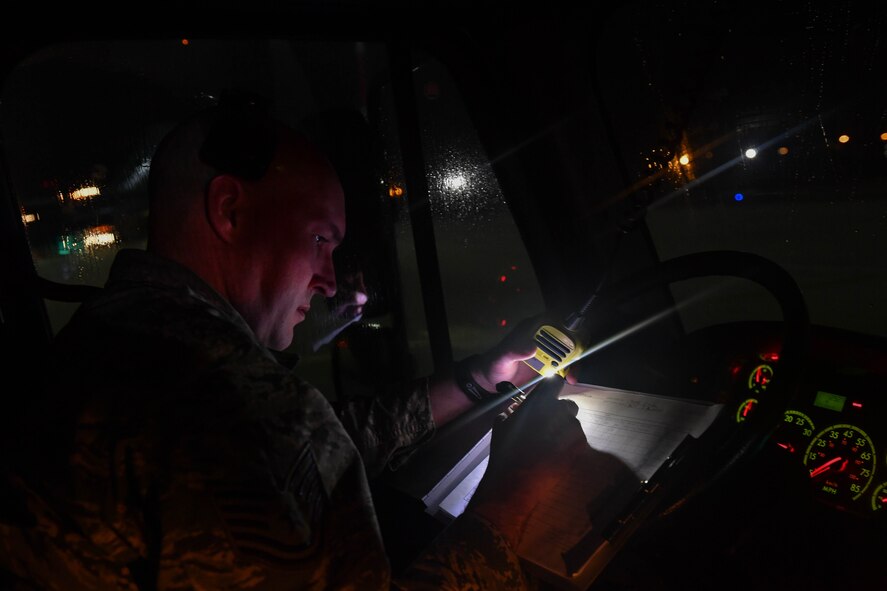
[770, 356]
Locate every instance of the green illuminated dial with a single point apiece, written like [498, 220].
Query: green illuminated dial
[745, 409]
[841, 461]
[879, 497]
[759, 378]
[795, 431]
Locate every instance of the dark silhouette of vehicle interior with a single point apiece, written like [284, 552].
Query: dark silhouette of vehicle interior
[707, 182]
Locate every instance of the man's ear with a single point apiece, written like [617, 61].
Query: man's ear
[224, 202]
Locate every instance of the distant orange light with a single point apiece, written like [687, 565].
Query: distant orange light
[185, 42]
[395, 191]
[684, 160]
[884, 136]
[843, 138]
[782, 151]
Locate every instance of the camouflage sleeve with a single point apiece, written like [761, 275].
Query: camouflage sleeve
[388, 427]
[469, 554]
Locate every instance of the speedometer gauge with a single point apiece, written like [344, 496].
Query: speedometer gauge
[841, 461]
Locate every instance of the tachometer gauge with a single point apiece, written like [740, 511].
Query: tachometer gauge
[841, 461]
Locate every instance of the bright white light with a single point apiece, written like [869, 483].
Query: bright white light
[85, 193]
[99, 236]
[751, 153]
[455, 182]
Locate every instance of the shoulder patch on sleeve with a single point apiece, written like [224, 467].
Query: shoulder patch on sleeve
[280, 527]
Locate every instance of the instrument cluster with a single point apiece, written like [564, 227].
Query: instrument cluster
[835, 425]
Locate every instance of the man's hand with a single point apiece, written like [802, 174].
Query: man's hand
[530, 452]
[505, 361]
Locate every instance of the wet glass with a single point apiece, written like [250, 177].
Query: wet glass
[762, 133]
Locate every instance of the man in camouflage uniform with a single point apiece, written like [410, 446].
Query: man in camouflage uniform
[179, 452]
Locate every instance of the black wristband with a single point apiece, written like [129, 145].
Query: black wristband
[466, 383]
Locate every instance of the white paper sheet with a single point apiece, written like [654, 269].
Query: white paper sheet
[631, 434]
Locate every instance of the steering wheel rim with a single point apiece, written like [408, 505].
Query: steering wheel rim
[727, 442]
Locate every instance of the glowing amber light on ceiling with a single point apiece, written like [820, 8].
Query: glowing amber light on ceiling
[782, 151]
[844, 138]
[395, 191]
[684, 160]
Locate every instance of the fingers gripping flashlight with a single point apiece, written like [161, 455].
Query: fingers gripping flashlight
[559, 346]
[556, 348]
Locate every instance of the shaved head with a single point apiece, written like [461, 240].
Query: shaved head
[253, 208]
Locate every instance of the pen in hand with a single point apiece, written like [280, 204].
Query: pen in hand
[517, 398]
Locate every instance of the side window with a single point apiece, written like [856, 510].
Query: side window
[488, 282]
[80, 122]
[486, 278]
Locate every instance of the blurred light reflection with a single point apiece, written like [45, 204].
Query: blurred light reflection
[86, 241]
[85, 193]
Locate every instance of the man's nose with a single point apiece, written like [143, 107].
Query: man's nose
[325, 279]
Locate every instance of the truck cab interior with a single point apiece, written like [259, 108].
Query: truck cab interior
[707, 182]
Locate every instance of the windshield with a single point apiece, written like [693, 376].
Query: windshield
[762, 131]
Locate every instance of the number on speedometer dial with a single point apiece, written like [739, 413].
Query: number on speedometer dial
[841, 461]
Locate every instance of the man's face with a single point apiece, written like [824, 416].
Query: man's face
[296, 220]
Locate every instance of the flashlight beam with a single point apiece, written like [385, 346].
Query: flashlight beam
[525, 389]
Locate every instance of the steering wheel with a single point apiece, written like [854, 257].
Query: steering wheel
[727, 442]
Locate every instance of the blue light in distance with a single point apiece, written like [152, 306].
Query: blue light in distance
[738, 196]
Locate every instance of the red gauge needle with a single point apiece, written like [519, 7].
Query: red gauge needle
[844, 465]
[823, 468]
[787, 446]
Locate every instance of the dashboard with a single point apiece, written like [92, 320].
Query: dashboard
[834, 428]
[810, 509]
[831, 438]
